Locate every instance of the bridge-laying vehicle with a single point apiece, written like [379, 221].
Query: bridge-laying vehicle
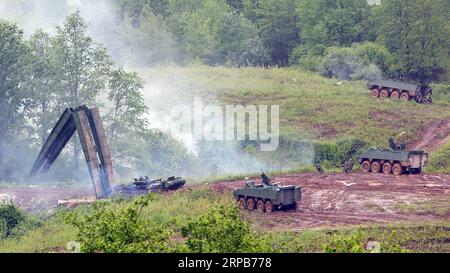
[268, 196]
[400, 90]
[87, 122]
[390, 161]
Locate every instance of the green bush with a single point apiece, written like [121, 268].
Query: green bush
[221, 231]
[120, 230]
[10, 217]
[346, 64]
[352, 243]
[333, 154]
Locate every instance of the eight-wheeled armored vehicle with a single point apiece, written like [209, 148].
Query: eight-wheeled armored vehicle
[400, 90]
[267, 197]
[390, 161]
[143, 185]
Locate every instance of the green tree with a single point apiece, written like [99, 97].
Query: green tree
[417, 33]
[42, 107]
[13, 65]
[83, 67]
[325, 23]
[277, 24]
[239, 42]
[195, 25]
[148, 42]
[126, 123]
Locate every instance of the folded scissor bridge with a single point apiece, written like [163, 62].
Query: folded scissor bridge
[88, 124]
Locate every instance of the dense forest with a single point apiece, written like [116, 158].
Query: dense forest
[77, 63]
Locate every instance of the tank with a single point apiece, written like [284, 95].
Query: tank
[144, 185]
[267, 197]
[400, 90]
[393, 162]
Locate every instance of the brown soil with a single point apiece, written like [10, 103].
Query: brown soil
[359, 198]
[39, 198]
[433, 136]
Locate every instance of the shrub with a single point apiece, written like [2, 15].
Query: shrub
[120, 230]
[335, 153]
[346, 64]
[352, 243]
[369, 72]
[221, 231]
[10, 217]
[373, 53]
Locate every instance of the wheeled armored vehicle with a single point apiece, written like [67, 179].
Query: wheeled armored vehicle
[400, 90]
[389, 161]
[267, 197]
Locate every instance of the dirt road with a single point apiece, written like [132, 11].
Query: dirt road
[340, 199]
[433, 136]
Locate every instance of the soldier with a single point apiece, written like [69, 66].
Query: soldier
[319, 168]
[392, 144]
[265, 179]
[348, 166]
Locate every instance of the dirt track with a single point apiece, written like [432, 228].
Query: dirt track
[340, 199]
[327, 200]
[433, 136]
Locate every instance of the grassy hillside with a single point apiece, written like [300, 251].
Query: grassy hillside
[311, 107]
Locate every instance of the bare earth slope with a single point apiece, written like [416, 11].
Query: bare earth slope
[433, 136]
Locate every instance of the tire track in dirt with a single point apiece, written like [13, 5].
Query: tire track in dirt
[330, 200]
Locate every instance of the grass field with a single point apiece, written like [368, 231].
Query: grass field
[311, 107]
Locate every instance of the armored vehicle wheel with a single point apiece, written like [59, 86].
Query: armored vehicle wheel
[241, 203]
[251, 204]
[397, 169]
[260, 205]
[387, 168]
[375, 93]
[405, 96]
[395, 94]
[269, 206]
[365, 166]
[375, 167]
[384, 93]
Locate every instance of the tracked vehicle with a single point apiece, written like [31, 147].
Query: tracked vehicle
[389, 161]
[400, 90]
[267, 197]
[144, 185]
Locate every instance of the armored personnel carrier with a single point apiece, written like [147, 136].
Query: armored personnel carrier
[267, 197]
[144, 185]
[400, 90]
[390, 161]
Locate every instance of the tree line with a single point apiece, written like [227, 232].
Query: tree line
[407, 39]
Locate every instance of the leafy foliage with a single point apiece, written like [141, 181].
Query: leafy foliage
[120, 231]
[10, 217]
[221, 231]
[13, 70]
[417, 33]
